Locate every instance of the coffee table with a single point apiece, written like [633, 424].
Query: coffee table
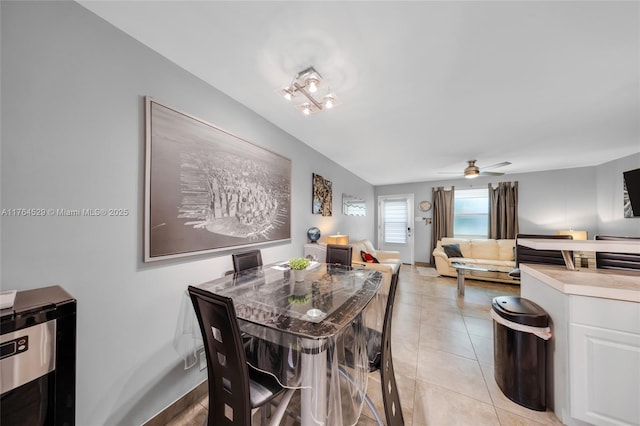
[462, 268]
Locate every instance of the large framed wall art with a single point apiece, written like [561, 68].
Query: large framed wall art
[631, 193]
[207, 190]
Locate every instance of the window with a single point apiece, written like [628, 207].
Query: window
[471, 213]
[395, 217]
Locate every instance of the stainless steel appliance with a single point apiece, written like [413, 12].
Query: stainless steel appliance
[38, 358]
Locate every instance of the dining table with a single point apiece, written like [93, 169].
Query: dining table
[311, 335]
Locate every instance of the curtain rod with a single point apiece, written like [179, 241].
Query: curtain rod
[448, 188]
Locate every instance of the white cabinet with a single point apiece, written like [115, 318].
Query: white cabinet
[317, 251]
[593, 358]
[604, 361]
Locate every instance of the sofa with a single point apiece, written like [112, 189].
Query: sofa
[479, 252]
[389, 261]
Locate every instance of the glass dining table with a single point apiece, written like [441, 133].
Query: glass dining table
[311, 335]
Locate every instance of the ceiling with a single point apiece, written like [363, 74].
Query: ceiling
[423, 86]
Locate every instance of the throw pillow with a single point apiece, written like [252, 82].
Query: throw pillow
[452, 250]
[367, 257]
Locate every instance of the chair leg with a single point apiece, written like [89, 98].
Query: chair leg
[265, 412]
[372, 407]
[282, 407]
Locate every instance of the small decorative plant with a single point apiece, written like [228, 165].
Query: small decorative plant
[299, 263]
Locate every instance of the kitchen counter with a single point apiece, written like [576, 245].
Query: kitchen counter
[602, 283]
[593, 357]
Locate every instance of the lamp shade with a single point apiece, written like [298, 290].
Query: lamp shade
[577, 235]
[341, 240]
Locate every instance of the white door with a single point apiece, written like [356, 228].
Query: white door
[395, 225]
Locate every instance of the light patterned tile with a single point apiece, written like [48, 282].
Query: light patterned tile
[441, 339]
[405, 329]
[479, 326]
[437, 406]
[450, 320]
[483, 347]
[453, 372]
[439, 304]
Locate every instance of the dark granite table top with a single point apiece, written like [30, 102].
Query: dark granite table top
[319, 307]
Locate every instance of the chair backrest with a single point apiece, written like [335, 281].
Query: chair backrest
[545, 257]
[228, 374]
[339, 254]
[390, 396]
[624, 261]
[246, 260]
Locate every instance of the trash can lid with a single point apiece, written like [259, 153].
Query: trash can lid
[520, 310]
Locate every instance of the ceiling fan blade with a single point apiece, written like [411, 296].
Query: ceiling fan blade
[495, 166]
[490, 174]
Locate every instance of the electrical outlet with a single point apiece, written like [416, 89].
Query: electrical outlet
[203, 359]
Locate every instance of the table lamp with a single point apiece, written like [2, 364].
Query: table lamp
[341, 240]
[577, 235]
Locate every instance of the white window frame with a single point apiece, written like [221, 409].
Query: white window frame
[397, 232]
[471, 193]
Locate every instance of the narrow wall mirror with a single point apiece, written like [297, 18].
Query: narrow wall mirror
[353, 206]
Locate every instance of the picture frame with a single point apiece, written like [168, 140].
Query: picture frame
[322, 199]
[207, 190]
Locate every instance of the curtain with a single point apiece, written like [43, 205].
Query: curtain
[503, 210]
[442, 216]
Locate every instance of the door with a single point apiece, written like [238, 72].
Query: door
[395, 225]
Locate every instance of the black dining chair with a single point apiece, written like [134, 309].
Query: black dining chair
[381, 359]
[390, 396]
[338, 254]
[621, 261]
[246, 260]
[234, 387]
[525, 254]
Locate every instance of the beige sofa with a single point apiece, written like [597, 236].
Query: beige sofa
[389, 260]
[479, 252]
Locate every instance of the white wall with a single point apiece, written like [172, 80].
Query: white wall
[73, 137]
[586, 198]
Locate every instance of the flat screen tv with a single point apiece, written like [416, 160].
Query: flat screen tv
[631, 193]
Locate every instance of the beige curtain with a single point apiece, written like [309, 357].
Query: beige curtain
[442, 215]
[503, 210]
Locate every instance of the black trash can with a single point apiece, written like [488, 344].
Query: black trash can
[520, 334]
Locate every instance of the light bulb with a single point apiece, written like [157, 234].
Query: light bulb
[306, 110]
[313, 85]
[328, 102]
[287, 94]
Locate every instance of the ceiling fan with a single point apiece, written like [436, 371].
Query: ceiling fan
[473, 171]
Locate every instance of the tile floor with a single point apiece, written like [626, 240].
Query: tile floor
[443, 358]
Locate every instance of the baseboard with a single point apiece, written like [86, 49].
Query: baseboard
[181, 404]
[424, 264]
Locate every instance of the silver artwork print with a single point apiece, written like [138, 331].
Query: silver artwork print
[207, 190]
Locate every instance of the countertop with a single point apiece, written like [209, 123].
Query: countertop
[607, 284]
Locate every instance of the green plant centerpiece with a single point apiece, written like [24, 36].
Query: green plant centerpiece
[299, 266]
[299, 263]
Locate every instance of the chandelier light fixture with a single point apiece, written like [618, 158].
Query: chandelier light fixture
[307, 83]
